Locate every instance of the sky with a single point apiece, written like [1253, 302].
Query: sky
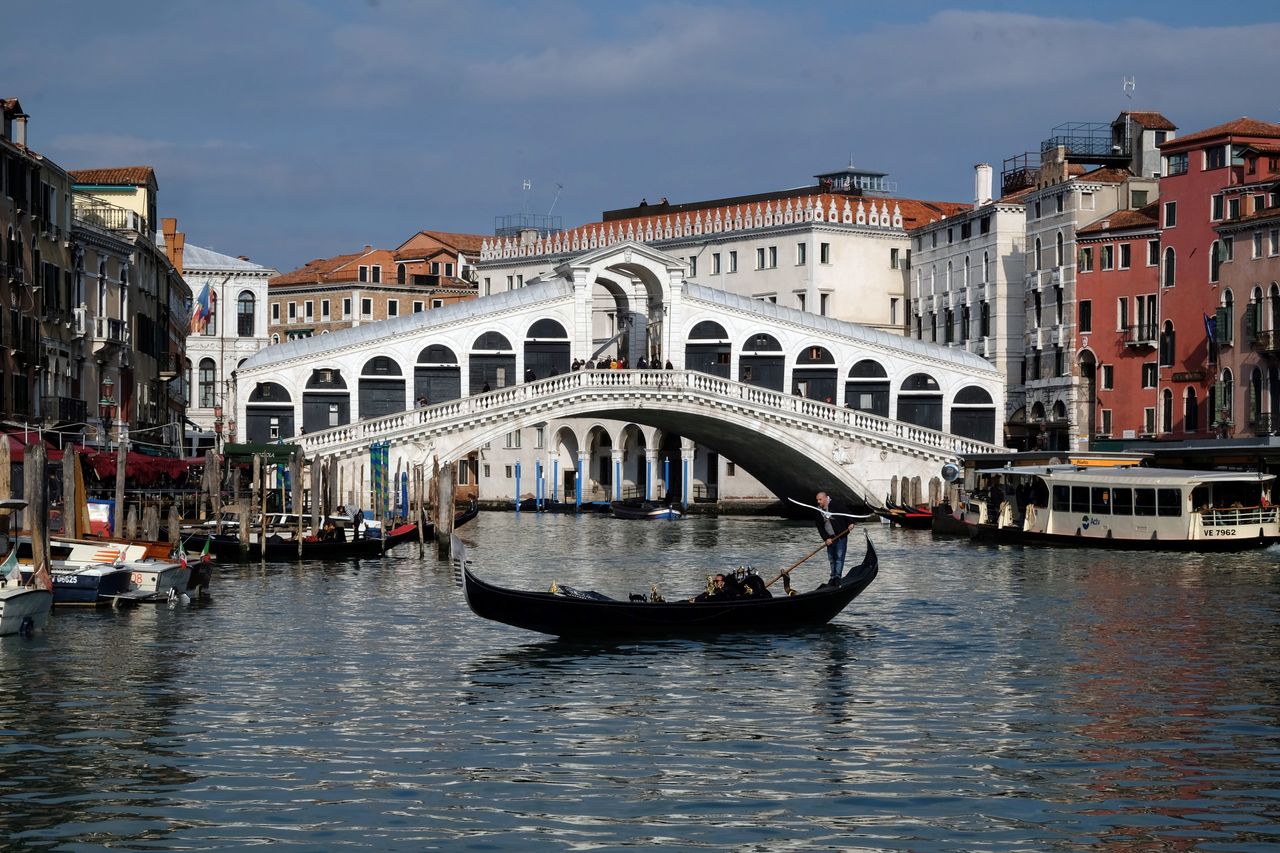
[288, 130]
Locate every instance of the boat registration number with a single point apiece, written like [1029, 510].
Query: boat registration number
[136, 577]
[71, 580]
[1220, 531]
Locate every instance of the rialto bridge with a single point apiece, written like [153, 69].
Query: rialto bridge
[798, 400]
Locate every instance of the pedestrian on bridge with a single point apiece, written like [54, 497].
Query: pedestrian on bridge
[833, 524]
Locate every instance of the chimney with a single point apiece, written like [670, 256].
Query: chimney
[179, 246]
[22, 129]
[174, 242]
[981, 184]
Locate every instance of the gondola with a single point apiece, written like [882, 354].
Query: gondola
[585, 615]
[912, 517]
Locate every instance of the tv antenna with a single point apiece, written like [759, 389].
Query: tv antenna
[1130, 84]
[526, 185]
[559, 189]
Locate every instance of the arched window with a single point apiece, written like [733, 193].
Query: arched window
[986, 319]
[1167, 344]
[1255, 396]
[1190, 411]
[1166, 410]
[1215, 261]
[1224, 398]
[1037, 259]
[1274, 296]
[244, 314]
[965, 283]
[986, 267]
[1058, 249]
[1169, 273]
[1224, 329]
[208, 383]
[400, 273]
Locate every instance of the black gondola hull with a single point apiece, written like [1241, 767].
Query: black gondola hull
[566, 616]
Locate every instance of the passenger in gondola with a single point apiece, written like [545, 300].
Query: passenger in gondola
[720, 590]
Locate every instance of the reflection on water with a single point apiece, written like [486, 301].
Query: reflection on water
[975, 697]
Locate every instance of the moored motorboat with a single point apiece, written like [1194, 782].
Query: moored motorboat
[23, 609]
[591, 615]
[156, 580]
[643, 509]
[93, 584]
[1124, 507]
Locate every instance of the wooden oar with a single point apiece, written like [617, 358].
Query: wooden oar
[806, 557]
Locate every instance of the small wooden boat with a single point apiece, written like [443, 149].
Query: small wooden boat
[589, 614]
[23, 609]
[643, 509]
[93, 584]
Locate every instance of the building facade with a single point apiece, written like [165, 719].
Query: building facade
[966, 285]
[1211, 179]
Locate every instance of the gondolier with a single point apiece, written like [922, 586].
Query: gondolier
[832, 524]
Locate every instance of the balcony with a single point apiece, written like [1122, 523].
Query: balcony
[1267, 342]
[93, 211]
[1262, 423]
[1089, 142]
[63, 410]
[1141, 335]
[109, 331]
[168, 365]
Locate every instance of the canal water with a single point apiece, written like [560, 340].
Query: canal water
[974, 698]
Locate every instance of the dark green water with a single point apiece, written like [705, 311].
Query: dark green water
[972, 699]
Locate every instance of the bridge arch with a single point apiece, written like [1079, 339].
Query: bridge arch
[492, 363]
[382, 387]
[437, 375]
[326, 401]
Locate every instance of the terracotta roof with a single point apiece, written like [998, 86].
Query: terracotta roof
[1143, 217]
[1269, 150]
[1243, 126]
[122, 176]
[1151, 120]
[467, 244]
[323, 270]
[1107, 175]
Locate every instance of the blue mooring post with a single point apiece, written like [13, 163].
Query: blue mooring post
[684, 483]
[617, 480]
[666, 477]
[555, 479]
[537, 483]
[648, 477]
[577, 486]
[517, 486]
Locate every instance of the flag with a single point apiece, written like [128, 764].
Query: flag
[10, 569]
[182, 556]
[1210, 329]
[202, 310]
[204, 553]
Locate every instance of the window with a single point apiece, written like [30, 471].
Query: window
[324, 309]
[1176, 164]
[1126, 252]
[894, 262]
[275, 312]
[1122, 501]
[366, 307]
[773, 257]
[1085, 260]
[419, 306]
[448, 269]
[1169, 274]
[1086, 315]
[539, 438]
[966, 230]
[1037, 257]
[293, 312]
[377, 273]
[400, 274]
[951, 236]
[984, 225]
[1273, 242]
[1106, 257]
[1170, 214]
[1216, 208]
[1215, 260]
[309, 310]
[1233, 208]
[435, 303]
[1037, 210]
[693, 266]
[335, 413]
[1149, 374]
[1059, 201]
[1108, 379]
[434, 268]
[1122, 314]
[273, 428]
[715, 263]
[244, 314]
[1215, 157]
[1257, 244]
[346, 308]
[513, 440]
[1167, 344]
[1137, 199]
[824, 252]
[1153, 252]
[208, 384]
[1058, 254]
[1229, 248]
[363, 274]
[1104, 427]
[1144, 500]
[733, 261]
[800, 301]
[800, 254]
[1086, 201]
[760, 258]
[393, 307]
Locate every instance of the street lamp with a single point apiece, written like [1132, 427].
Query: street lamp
[107, 406]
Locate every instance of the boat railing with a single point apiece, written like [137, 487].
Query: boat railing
[1238, 516]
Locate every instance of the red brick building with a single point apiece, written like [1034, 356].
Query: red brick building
[1117, 286]
[1206, 182]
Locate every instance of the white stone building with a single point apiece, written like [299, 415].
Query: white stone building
[967, 283]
